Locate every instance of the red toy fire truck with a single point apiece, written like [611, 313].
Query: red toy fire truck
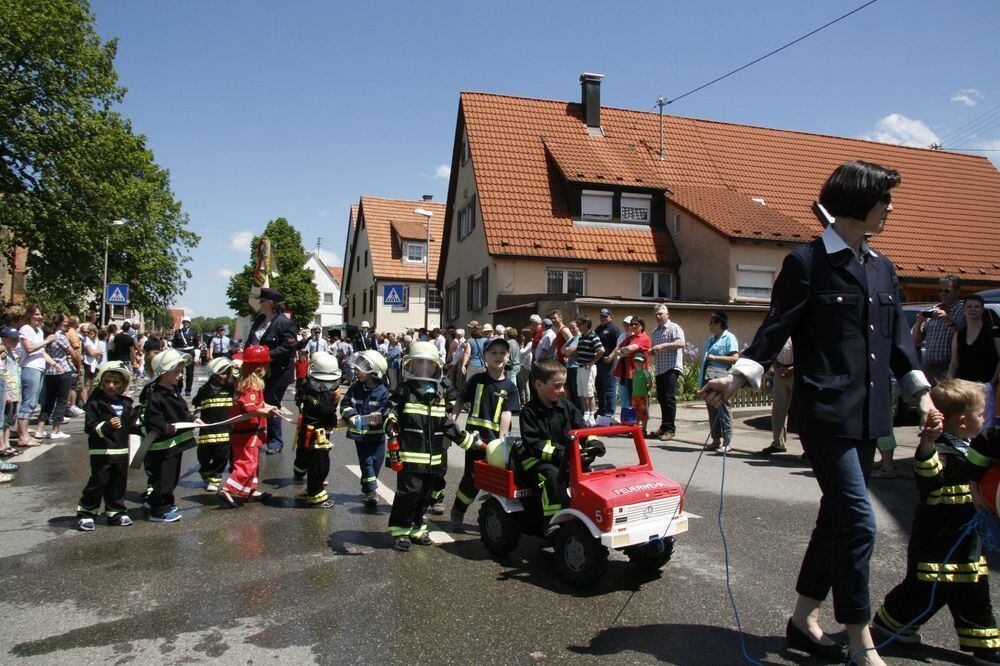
[634, 509]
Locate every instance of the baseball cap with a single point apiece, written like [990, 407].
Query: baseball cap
[186, 319]
[605, 312]
[9, 332]
[546, 322]
[497, 341]
[627, 320]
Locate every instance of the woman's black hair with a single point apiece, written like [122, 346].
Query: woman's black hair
[976, 297]
[721, 318]
[855, 187]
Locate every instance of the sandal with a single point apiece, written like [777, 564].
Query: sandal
[9, 452]
[723, 449]
[29, 442]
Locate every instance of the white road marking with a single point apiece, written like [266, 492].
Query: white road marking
[33, 452]
[437, 536]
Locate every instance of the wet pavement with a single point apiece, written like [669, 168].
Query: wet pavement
[280, 583]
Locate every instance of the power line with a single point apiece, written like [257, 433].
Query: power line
[768, 55]
[968, 125]
[974, 132]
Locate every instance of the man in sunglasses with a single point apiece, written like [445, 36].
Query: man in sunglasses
[935, 327]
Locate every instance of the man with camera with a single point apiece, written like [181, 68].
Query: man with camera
[936, 326]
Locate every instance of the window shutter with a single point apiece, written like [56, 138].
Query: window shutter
[469, 285]
[472, 212]
[485, 288]
[458, 298]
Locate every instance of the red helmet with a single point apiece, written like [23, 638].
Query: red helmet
[256, 354]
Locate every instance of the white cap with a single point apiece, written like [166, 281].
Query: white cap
[536, 318]
[185, 319]
[487, 326]
[500, 330]
[365, 324]
[460, 332]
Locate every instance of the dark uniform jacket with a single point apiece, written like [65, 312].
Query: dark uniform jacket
[424, 421]
[362, 401]
[318, 409]
[488, 398]
[106, 443]
[161, 407]
[214, 403]
[281, 338]
[364, 341]
[848, 330]
[185, 341]
[543, 431]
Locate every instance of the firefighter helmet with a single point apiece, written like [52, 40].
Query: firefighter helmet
[256, 354]
[498, 452]
[220, 365]
[422, 363]
[168, 360]
[324, 367]
[369, 362]
[116, 367]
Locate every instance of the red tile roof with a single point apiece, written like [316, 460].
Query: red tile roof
[946, 213]
[380, 217]
[337, 273]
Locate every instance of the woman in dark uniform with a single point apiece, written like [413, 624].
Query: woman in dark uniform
[839, 302]
[272, 329]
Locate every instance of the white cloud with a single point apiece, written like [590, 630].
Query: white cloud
[224, 273]
[898, 129]
[240, 241]
[442, 171]
[968, 97]
[331, 259]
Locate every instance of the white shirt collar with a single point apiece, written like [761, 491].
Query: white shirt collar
[834, 243]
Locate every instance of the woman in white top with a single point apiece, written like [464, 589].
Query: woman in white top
[91, 358]
[33, 342]
[58, 380]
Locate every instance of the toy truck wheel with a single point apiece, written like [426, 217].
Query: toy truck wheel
[648, 561]
[498, 529]
[580, 557]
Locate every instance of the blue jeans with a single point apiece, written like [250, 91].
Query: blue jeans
[31, 384]
[843, 539]
[273, 395]
[722, 430]
[606, 384]
[371, 455]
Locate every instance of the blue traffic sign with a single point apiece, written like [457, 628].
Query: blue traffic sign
[393, 294]
[116, 294]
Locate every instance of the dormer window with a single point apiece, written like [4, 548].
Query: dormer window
[414, 253]
[635, 208]
[597, 205]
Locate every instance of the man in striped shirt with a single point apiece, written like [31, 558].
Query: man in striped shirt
[668, 341]
[589, 351]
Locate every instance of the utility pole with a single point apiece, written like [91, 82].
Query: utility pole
[660, 102]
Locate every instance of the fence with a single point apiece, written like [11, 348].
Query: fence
[747, 397]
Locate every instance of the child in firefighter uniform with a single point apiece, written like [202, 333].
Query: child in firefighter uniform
[545, 420]
[215, 399]
[418, 416]
[250, 432]
[162, 406]
[362, 408]
[942, 472]
[492, 397]
[317, 400]
[110, 419]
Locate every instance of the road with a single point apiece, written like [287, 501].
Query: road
[280, 583]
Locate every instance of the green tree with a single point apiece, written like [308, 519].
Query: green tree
[294, 280]
[206, 325]
[69, 165]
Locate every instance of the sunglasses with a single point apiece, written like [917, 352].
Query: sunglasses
[945, 291]
[886, 198]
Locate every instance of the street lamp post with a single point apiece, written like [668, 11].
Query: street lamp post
[427, 265]
[104, 292]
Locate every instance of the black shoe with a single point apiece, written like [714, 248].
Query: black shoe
[800, 640]
[402, 543]
[771, 450]
[371, 499]
[985, 656]
[422, 540]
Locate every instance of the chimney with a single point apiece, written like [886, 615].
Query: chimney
[428, 197]
[590, 85]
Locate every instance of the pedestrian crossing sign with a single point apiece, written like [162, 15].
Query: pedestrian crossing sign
[393, 294]
[116, 294]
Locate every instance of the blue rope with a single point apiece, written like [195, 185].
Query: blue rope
[980, 519]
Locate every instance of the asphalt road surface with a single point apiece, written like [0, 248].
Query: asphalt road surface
[280, 583]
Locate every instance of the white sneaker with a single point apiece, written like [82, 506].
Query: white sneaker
[42, 436]
[86, 524]
[212, 488]
[59, 435]
[6, 478]
[76, 411]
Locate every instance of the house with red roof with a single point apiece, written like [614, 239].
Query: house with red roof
[575, 203]
[386, 265]
[328, 281]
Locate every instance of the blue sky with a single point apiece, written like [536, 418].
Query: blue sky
[295, 109]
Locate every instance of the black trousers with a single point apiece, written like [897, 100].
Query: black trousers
[163, 469]
[56, 393]
[666, 395]
[189, 374]
[213, 459]
[968, 602]
[571, 386]
[107, 482]
[315, 465]
[466, 493]
[413, 496]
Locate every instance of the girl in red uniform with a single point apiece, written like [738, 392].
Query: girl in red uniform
[250, 432]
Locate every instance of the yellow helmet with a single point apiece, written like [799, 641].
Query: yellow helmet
[369, 362]
[116, 367]
[422, 362]
[498, 452]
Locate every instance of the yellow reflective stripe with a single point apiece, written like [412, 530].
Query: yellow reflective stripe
[420, 458]
[979, 642]
[108, 452]
[960, 494]
[416, 408]
[548, 507]
[499, 410]
[213, 438]
[894, 625]
[978, 459]
[216, 402]
[548, 450]
[99, 427]
[463, 498]
[930, 467]
[959, 566]
[418, 531]
[398, 531]
[478, 401]
[971, 631]
[530, 462]
[318, 498]
[483, 423]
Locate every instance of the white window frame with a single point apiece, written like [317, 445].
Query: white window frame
[407, 246]
[656, 285]
[638, 201]
[753, 278]
[467, 220]
[597, 195]
[328, 298]
[676, 228]
[432, 297]
[405, 307]
[565, 278]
